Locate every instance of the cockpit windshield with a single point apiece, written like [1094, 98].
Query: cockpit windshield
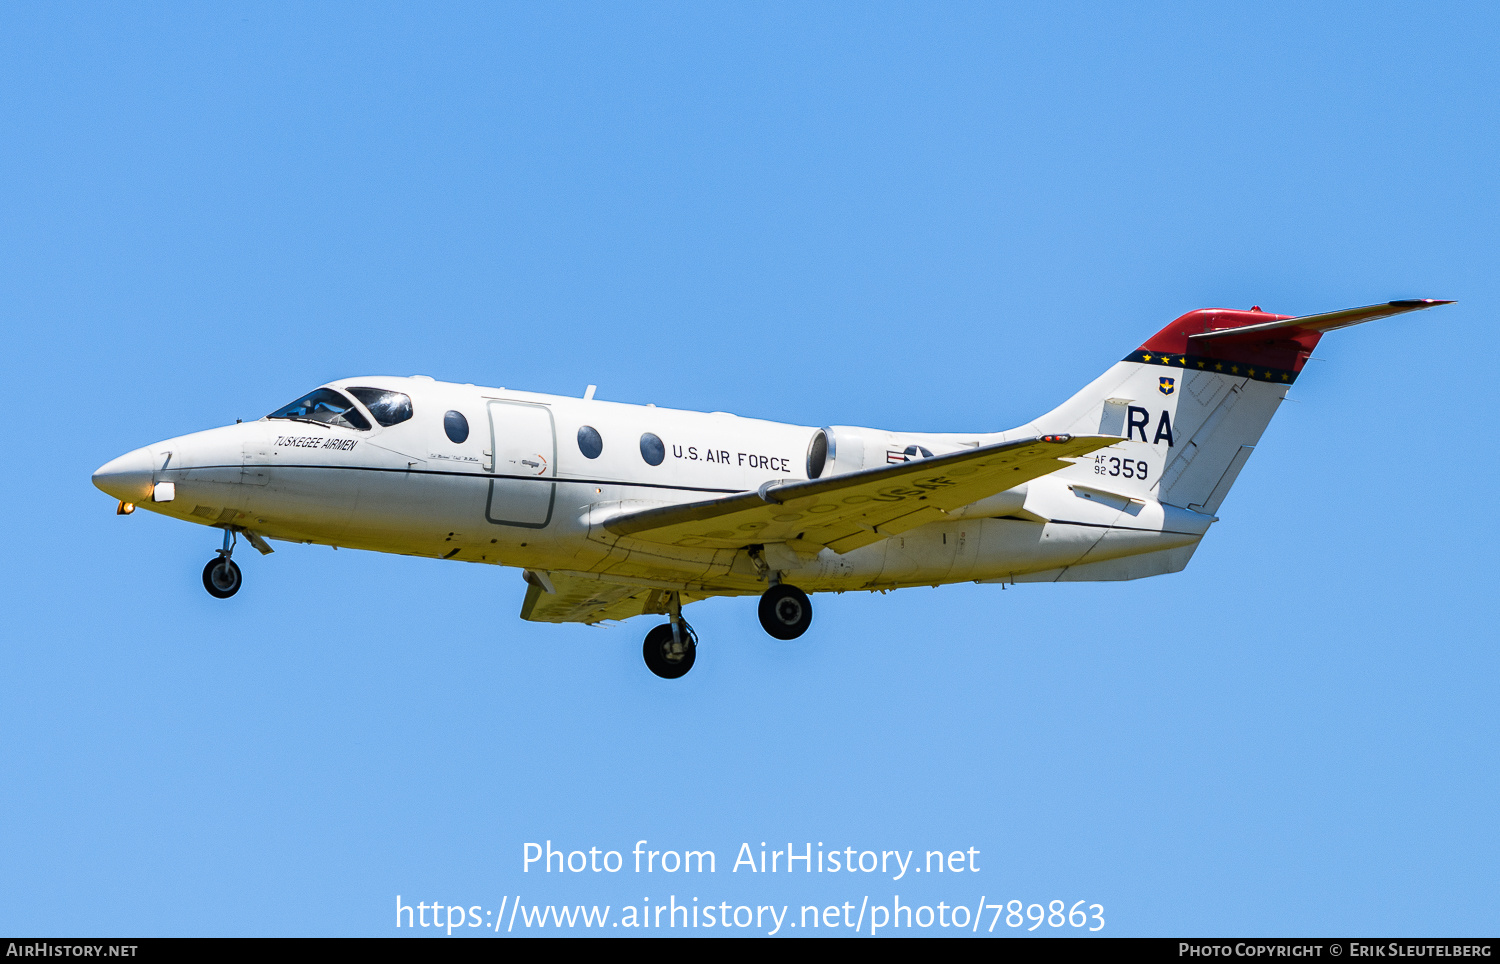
[389, 408]
[325, 406]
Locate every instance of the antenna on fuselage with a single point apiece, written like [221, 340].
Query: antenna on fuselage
[588, 394]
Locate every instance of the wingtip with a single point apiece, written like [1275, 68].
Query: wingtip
[1421, 303]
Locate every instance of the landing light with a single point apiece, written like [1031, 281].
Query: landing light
[124, 508]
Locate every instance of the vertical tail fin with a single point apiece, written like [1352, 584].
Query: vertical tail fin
[1191, 403]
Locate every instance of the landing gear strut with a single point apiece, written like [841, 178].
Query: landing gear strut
[221, 577]
[785, 611]
[671, 647]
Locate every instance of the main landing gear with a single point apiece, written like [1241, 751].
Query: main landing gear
[221, 577]
[671, 647]
[669, 650]
[785, 611]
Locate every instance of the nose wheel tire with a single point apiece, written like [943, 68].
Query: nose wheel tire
[221, 577]
[669, 658]
[785, 611]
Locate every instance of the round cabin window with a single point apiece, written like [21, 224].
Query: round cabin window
[456, 426]
[652, 450]
[589, 442]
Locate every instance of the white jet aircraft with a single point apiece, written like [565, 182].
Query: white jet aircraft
[616, 510]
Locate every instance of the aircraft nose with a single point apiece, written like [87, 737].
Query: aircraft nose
[127, 478]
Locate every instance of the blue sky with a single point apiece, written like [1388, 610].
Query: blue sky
[940, 218]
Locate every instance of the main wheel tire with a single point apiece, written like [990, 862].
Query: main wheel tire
[665, 658]
[785, 611]
[221, 577]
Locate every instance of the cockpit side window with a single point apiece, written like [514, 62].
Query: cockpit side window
[325, 406]
[389, 408]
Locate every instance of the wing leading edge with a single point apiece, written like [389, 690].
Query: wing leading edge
[845, 512]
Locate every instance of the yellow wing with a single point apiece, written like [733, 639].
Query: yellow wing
[844, 512]
[556, 597]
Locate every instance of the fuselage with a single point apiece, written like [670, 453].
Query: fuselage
[490, 475]
[615, 511]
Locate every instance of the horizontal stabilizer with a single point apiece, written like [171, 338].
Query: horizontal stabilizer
[1268, 347]
[1327, 321]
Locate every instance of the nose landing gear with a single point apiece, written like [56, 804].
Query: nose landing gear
[221, 577]
[785, 611]
[671, 648]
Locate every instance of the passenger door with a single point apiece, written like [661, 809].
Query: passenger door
[523, 453]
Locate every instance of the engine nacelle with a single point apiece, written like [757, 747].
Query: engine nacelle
[851, 448]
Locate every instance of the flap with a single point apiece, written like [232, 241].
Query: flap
[578, 599]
